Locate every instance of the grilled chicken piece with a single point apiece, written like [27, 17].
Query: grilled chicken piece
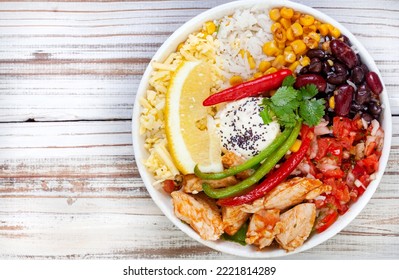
[263, 227]
[193, 184]
[318, 191]
[297, 224]
[286, 194]
[230, 159]
[199, 214]
[233, 218]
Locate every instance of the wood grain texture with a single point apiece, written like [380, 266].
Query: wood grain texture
[69, 185]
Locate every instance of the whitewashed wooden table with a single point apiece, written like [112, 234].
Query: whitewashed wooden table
[69, 185]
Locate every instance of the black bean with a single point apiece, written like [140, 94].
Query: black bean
[336, 79]
[356, 108]
[362, 94]
[365, 68]
[340, 68]
[315, 65]
[345, 39]
[327, 69]
[304, 70]
[315, 53]
[374, 108]
[367, 117]
[357, 75]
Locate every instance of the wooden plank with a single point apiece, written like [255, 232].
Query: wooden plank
[94, 205]
[123, 235]
[72, 189]
[50, 54]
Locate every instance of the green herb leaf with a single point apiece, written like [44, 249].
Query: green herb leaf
[239, 237]
[288, 120]
[289, 105]
[284, 95]
[289, 81]
[308, 91]
[286, 115]
[312, 111]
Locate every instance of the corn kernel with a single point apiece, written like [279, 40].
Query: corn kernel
[274, 14]
[310, 43]
[308, 29]
[296, 16]
[290, 34]
[242, 53]
[270, 70]
[288, 49]
[287, 13]
[306, 20]
[267, 48]
[298, 46]
[333, 31]
[264, 65]
[258, 75]
[312, 40]
[251, 62]
[179, 46]
[295, 148]
[279, 35]
[330, 62]
[270, 49]
[210, 27]
[305, 61]
[297, 29]
[288, 43]
[235, 80]
[286, 23]
[289, 56]
[293, 66]
[315, 36]
[281, 46]
[331, 102]
[275, 26]
[278, 62]
[323, 29]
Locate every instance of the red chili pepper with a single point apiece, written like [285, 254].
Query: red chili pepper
[248, 89]
[275, 177]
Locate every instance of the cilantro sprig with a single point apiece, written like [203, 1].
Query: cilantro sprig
[288, 105]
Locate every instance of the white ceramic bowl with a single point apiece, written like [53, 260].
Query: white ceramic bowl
[164, 201]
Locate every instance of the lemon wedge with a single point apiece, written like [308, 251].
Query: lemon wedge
[190, 131]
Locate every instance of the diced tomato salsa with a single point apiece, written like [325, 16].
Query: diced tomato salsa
[340, 164]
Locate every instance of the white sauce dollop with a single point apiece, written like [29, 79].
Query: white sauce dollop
[242, 129]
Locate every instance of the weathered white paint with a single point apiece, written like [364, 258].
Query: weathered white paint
[69, 186]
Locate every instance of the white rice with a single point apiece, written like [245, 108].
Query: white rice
[246, 30]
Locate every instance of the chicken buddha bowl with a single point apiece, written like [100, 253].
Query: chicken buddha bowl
[261, 128]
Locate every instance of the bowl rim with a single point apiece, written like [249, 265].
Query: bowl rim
[165, 204]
